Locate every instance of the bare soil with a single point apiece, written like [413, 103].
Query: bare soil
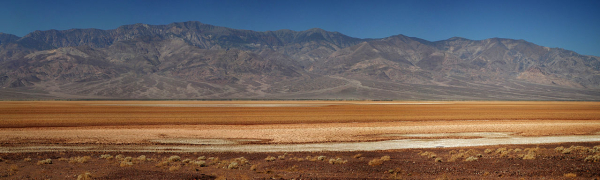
[402, 164]
[108, 124]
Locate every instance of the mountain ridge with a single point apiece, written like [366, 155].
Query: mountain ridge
[192, 60]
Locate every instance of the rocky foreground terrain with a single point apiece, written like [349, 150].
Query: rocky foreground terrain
[191, 60]
[552, 161]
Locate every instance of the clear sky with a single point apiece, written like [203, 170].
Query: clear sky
[568, 24]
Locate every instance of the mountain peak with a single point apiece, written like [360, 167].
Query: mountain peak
[195, 60]
[8, 38]
[455, 38]
[316, 30]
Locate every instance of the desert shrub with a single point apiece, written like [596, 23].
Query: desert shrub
[592, 158]
[529, 156]
[375, 162]
[253, 167]
[174, 168]
[580, 150]
[84, 159]
[385, 158]
[79, 159]
[85, 176]
[126, 163]
[429, 154]
[310, 158]
[296, 159]
[47, 161]
[464, 154]
[293, 168]
[318, 158]
[533, 149]
[472, 152]
[455, 157]
[162, 163]
[357, 156]
[488, 151]
[504, 153]
[199, 163]
[518, 150]
[570, 175]
[233, 165]
[120, 157]
[500, 150]
[471, 158]
[236, 163]
[337, 161]
[13, 169]
[242, 160]
[270, 158]
[186, 161]
[174, 159]
[142, 158]
[321, 158]
[379, 161]
[27, 159]
[106, 156]
[396, 173]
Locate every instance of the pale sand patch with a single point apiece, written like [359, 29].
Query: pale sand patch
[310, 147]
[204, 141]
[292, 133]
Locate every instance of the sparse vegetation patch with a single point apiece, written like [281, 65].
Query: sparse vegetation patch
[46, 161]
[379, 161]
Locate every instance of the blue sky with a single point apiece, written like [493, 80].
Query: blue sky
[572, 25]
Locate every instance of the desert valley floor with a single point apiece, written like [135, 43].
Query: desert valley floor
[299, 140]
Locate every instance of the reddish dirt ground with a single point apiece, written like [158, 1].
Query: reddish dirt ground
[402, 164]
[129, 123]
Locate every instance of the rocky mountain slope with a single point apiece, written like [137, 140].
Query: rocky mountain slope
[191, 60]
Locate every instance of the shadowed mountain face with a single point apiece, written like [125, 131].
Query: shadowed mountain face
[192, 60]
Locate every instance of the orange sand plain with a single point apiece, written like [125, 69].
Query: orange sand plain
[139, 122]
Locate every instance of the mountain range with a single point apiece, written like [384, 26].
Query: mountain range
[192, 60]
